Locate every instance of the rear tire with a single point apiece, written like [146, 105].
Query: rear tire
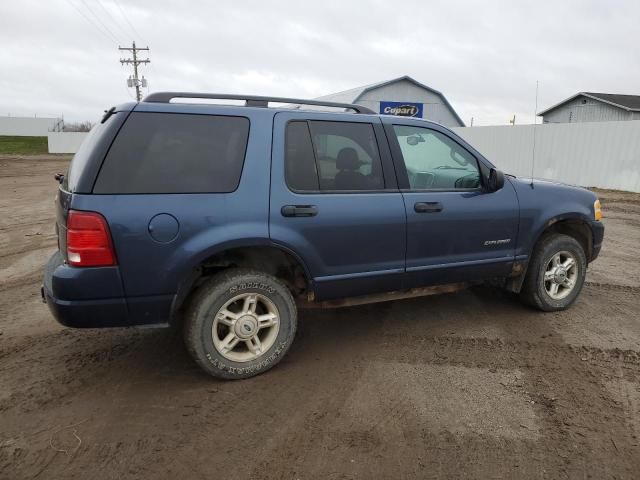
[240, 323]
[556, 273]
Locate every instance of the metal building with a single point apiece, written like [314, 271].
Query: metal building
[401, 96]
[593, 107]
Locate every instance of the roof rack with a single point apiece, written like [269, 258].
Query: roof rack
[252, 100]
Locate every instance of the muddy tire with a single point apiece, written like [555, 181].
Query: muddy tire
[556, 273]
[240, 323]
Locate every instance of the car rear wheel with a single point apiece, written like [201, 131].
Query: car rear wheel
[240, 323]
[556, 273]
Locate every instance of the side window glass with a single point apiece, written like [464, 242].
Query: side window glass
[347, 156]
[434, 161]
[175, 153]
[300, 163]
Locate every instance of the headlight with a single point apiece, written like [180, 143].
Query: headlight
[597, 211]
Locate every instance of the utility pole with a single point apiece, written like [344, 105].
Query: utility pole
[135, 81]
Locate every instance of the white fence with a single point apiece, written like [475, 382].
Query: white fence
[28, 126]
[65, 142]
[594, 154]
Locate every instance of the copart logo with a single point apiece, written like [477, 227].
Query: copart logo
[402, 111]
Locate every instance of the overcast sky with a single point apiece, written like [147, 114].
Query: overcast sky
[60, 57]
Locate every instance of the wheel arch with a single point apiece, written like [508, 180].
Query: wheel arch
[572, 225]
[266, 256]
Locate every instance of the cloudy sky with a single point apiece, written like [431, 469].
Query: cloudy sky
[61, 56]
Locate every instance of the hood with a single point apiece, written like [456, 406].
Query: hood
[546, 183]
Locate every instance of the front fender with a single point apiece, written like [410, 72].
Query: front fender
[545, 204]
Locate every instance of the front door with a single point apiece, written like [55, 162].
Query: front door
[335, 202]
[456, 230]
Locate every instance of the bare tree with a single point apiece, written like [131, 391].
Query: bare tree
[77, 127]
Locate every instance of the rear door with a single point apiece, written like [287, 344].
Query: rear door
[335, 202]
[456, 230]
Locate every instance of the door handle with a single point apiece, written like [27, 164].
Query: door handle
[428, 207]
[299, 211]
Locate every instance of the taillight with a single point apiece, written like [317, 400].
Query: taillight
[88, 240]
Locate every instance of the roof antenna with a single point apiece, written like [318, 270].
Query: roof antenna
[535, 123]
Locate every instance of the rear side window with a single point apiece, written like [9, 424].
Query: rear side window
[175, 153]
[83, 156]
[332, 156]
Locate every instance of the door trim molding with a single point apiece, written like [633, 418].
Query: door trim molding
[467, 263]
[349, 276]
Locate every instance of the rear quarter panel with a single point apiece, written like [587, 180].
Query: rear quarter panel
[208, 222]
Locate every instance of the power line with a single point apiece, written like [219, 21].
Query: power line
[135, 81]
[99, 20]
[124, 15]
[116, 23]
[110, 37]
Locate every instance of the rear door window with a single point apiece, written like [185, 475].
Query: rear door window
[332, 156]
[175, 153]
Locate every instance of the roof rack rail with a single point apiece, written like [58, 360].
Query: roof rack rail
[251, 100]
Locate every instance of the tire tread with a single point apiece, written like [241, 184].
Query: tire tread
[216, 286]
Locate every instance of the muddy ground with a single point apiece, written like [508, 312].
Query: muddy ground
[461, 385]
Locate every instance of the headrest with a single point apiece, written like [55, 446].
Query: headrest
[348, 159]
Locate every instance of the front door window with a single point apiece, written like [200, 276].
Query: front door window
[434, 161]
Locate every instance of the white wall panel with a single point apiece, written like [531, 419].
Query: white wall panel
[27, 126]
[594, 154]
[65, 142]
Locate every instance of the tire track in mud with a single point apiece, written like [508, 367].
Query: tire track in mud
[614, 287]
[13, 226]
[566, 385]
[291, 439]
[564, 409]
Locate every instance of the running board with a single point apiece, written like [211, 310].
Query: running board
[384, 297]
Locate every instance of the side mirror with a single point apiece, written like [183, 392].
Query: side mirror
[495, 181]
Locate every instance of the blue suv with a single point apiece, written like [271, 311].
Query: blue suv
[229, 218]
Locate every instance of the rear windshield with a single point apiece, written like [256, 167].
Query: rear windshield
[175, 153]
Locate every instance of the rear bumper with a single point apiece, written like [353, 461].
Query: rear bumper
[597, 230]
[87, 313]
[70, 295]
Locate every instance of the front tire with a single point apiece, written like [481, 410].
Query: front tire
[240, 323]
[556, 273]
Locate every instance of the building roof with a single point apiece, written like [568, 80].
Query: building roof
[626, 102]
[354, 94]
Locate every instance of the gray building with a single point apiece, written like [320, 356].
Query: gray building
[593, 107]
[401, 96]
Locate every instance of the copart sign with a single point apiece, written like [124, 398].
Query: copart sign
[401, 109]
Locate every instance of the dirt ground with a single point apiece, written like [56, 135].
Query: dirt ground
[461, 385]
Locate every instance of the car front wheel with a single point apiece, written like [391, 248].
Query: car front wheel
[556, 273]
